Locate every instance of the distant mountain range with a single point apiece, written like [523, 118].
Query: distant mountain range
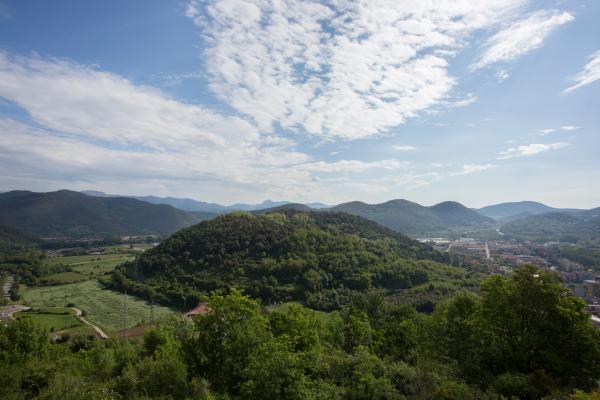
[73, 214]
[520, 209]
[412, 218]
[187, 204]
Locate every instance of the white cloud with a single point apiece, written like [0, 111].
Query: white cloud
[417, 180]
[78, 100]
[502, 75]
[350, 166]
[530, 150]
[567, 128]
[404, 148]
[570, 128]
[590, 73]
[521, 37]
[339, 69]
[472, 168]
[95, 126]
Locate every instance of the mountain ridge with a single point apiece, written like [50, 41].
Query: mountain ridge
[188, 204]
[73, 214]
[412, 218]
[519, 209]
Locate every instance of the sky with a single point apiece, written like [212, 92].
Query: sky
[475, 101]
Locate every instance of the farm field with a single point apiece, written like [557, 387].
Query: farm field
[102, 307]
[91, 265]
[138, 247]
[53, 319]
[62, 278]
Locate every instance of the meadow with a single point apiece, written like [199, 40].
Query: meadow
[53, 319]
[101, 306]
[90, 265]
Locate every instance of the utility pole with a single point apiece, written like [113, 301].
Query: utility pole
[125, 310]
[152, 311]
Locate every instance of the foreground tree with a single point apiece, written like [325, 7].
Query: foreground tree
[526, 330]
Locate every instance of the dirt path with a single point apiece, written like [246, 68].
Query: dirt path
[100, 332]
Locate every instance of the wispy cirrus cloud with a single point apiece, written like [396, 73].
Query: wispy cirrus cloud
[590, 73]
[566, 128]
[530, 150]
[338, 69]
[521, 37]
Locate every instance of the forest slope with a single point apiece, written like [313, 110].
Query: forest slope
[317, 257]
[67, 213]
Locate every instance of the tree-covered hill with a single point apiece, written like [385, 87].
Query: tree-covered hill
[16, 247]
[285, 207]
[72, 214]
[317, 257]
[414, 219]
[515, 209]
[569, 227]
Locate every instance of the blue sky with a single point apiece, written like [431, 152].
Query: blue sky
[229, 101]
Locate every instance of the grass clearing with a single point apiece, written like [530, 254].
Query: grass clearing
[52, 319]
[102, 307]
[138, 247]
[87, 258]
[284, 307]
[62, 278]
[91, 265]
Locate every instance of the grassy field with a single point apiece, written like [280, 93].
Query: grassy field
[91, 266]
[138, 247]
[284, 307]
[53, 319]
[103, 307]
[62, 278]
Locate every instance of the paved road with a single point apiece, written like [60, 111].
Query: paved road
[100, 332]
[10, 280]
[7, 312]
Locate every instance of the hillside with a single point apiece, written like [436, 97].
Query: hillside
[187, 204]
[285, 207]
[73, 214]
[15, 247]
[414, 219]
[518, 209]
[555, 226]
[317, 257]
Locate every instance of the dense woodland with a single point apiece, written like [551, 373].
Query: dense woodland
[556, 226]
[311, 305]
[320, 258]
[414, 219]
[69, 214]
[524, 337]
